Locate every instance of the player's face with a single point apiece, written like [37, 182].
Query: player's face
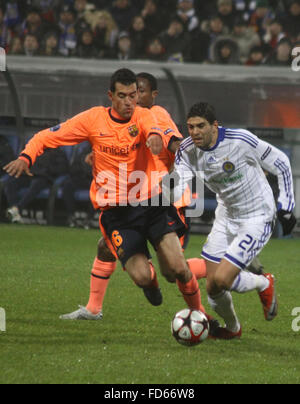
[146, 96]
[124, 99]
[202, 132]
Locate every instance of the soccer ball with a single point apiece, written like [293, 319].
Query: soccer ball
[190, 327]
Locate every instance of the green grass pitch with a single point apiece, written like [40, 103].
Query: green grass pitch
[44, 272]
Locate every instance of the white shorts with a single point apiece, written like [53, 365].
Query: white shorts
[239, 242]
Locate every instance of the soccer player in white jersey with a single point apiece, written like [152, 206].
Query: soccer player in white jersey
[232, 163]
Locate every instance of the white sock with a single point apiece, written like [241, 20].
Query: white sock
[247, 282]
[222, 304]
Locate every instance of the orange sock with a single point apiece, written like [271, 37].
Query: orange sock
[191, 294]
[100, 275]
[154, 283]
[197, 267]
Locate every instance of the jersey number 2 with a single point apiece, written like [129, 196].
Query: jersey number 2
[247, 243]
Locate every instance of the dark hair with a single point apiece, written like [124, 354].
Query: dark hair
[33, 10]
[123, 76]
[276, 21]
[203, 110]
[240, 21]
[150, 78]
[257, 49]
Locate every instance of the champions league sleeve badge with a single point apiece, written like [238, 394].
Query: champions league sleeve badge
[55, 128]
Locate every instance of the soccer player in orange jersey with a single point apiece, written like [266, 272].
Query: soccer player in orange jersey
[105, 262]
[148, 91]
[124, 139]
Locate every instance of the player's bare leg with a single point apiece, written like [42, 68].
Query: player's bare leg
[143, 274]
[139, 270]
[196, 265]
[170, 253]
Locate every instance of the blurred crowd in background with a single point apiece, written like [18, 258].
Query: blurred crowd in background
[248, 32]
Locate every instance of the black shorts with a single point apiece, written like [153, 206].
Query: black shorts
[127, 229]
[178, 215]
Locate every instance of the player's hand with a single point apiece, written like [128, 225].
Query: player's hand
[16, 168]
[89, 159]
[155, 144]
[287, 220]
[175, 146]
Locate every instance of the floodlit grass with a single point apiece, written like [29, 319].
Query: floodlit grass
[44, 272]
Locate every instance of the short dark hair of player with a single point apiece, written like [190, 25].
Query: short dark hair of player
[150, 78]
[123, 76]
[203, 110]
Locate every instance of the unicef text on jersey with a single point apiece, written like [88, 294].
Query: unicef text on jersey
[2, 60]
[296, 61]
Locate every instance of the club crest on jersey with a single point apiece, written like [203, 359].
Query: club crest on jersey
[133, 131]
[228, 167]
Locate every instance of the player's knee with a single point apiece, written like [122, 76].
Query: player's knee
[104, 254]
[143, 280]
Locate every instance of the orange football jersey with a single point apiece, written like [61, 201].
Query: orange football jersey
[123, 164]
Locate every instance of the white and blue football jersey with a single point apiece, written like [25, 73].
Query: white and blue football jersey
[234, 170]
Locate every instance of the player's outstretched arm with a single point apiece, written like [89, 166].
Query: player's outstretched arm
[175, 146]
[16, 168]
